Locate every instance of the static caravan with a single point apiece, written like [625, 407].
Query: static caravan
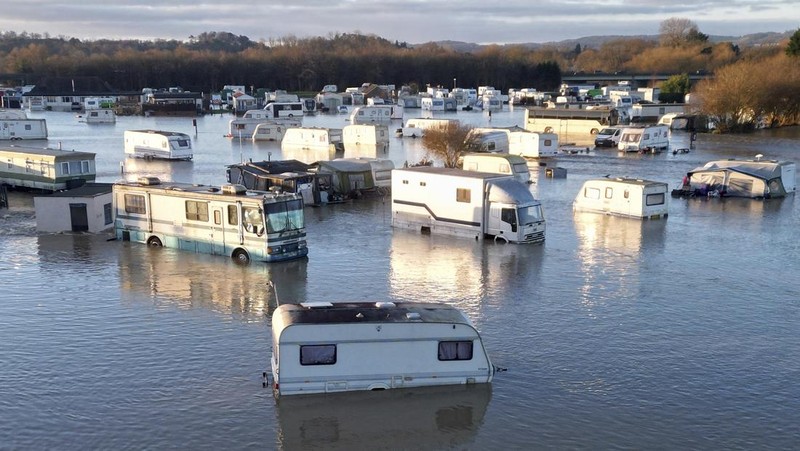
[158, 144]
[84, 209]
[619, 196]
[373, 136]
[228, 220]
[644, 138]
[15, 125]
[309, 105]
[45, 169]
[349, 176]
[245, 126]
[533, 145]
[741, 178]
[438, 104]
[498, 163]
[416, 127]
[489, 103]
[324, 347]
[313, 138]
[290, 176]
[381, 114]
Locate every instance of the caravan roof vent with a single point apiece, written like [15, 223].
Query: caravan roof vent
[385, 304]
[413, 316]
[149, 181]
[316, 304]
[234, 189]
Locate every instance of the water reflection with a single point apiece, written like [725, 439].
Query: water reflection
[611, 251]
[177, 171]
[310, 156]
[424, 418]
[189, 280]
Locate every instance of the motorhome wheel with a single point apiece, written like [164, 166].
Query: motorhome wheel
[241, 256]
[153, 241]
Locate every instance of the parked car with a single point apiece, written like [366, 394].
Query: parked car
[608, 137]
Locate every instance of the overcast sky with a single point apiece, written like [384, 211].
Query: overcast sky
[412, 21]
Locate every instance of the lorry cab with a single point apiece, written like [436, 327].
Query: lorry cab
[512, 215]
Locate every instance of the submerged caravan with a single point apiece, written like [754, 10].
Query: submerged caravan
[758, 179]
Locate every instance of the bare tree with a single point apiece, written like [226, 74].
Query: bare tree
[450, 141]
[677, 31]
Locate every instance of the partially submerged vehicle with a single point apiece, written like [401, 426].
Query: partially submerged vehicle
[638, 198]
[158, 144]
[647, 138]
[324, 347]
[608, 137]
[46, 169]
[757, 179]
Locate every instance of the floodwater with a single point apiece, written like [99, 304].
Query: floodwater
[617, 333]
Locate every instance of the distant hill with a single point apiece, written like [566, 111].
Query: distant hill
[749, 40]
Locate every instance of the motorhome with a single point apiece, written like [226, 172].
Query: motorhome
[158, 144]
[757, 179]
[532, 145]
[464, 203]
[228, 220]
[325, 347]
[363, 136]
[313, 138]
[498, 163]
[15, 125]
[570, 125]
[284, 110]
[648, 138]
[638, 198]
[416, 127]
[45, 169]
[608, 137]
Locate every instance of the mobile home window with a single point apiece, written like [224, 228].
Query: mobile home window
[591, 193]
[134, 203]
[463, 195]
[455, 350]
[27, 126]
[609, 192]
[65, 168]
[85, 167]
[75, 167]
[318, 355]
[655, 199]
[196, 211]
[233, 218]
[107, 216]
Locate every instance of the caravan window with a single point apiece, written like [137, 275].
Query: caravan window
[609, 192]
[655, 199]
[196, 211]
[318, 355]
[455, 350]
[591, 193]
[134, 203]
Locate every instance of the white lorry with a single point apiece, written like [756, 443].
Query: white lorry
[464, 203]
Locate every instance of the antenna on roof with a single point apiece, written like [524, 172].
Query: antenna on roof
[759, 157]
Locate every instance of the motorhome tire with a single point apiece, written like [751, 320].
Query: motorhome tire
[154, 241]
[241, 256]
[548, 130]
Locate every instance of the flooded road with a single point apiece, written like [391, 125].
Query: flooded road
[669, 334]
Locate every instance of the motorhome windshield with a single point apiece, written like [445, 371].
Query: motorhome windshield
[284, 216]
[531, 214]
[520, 168]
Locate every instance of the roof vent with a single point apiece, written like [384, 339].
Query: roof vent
[149, 181]
[234, 189]
[413, 316]
[316, 304]
[385, 304]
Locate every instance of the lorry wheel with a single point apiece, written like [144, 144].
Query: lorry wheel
[241, 256]
[153, 241]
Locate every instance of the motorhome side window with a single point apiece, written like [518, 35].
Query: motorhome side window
[233, 218]
[655, 199]
[455, 350]
[134, 203]
[252, 220]
[463, 195]
[318, 355]
[196, 211]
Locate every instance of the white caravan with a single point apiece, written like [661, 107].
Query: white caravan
[644, 138]
[416, 127]
[464, 203]
[619, 196]
[100, 116]
[313, 138]
[492, 139]
[228, 220]
[324, 347]
[533, 145]
[498, 163]
[363, 136]
[158, 144]
[245, 126]
[272, 131]
[15, 125]
[376, 114]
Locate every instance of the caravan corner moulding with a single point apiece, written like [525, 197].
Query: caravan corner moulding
[324, 347]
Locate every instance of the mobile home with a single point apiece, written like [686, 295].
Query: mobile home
[498, 163]
[15, 125]
[464, 203]
[644, 138]
[227, 220]
[158, 144]
[45, 169]
[290, 176]
[620, 196]
[324, 347]
[532, 145]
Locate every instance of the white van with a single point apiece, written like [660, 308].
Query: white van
[608, 137]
